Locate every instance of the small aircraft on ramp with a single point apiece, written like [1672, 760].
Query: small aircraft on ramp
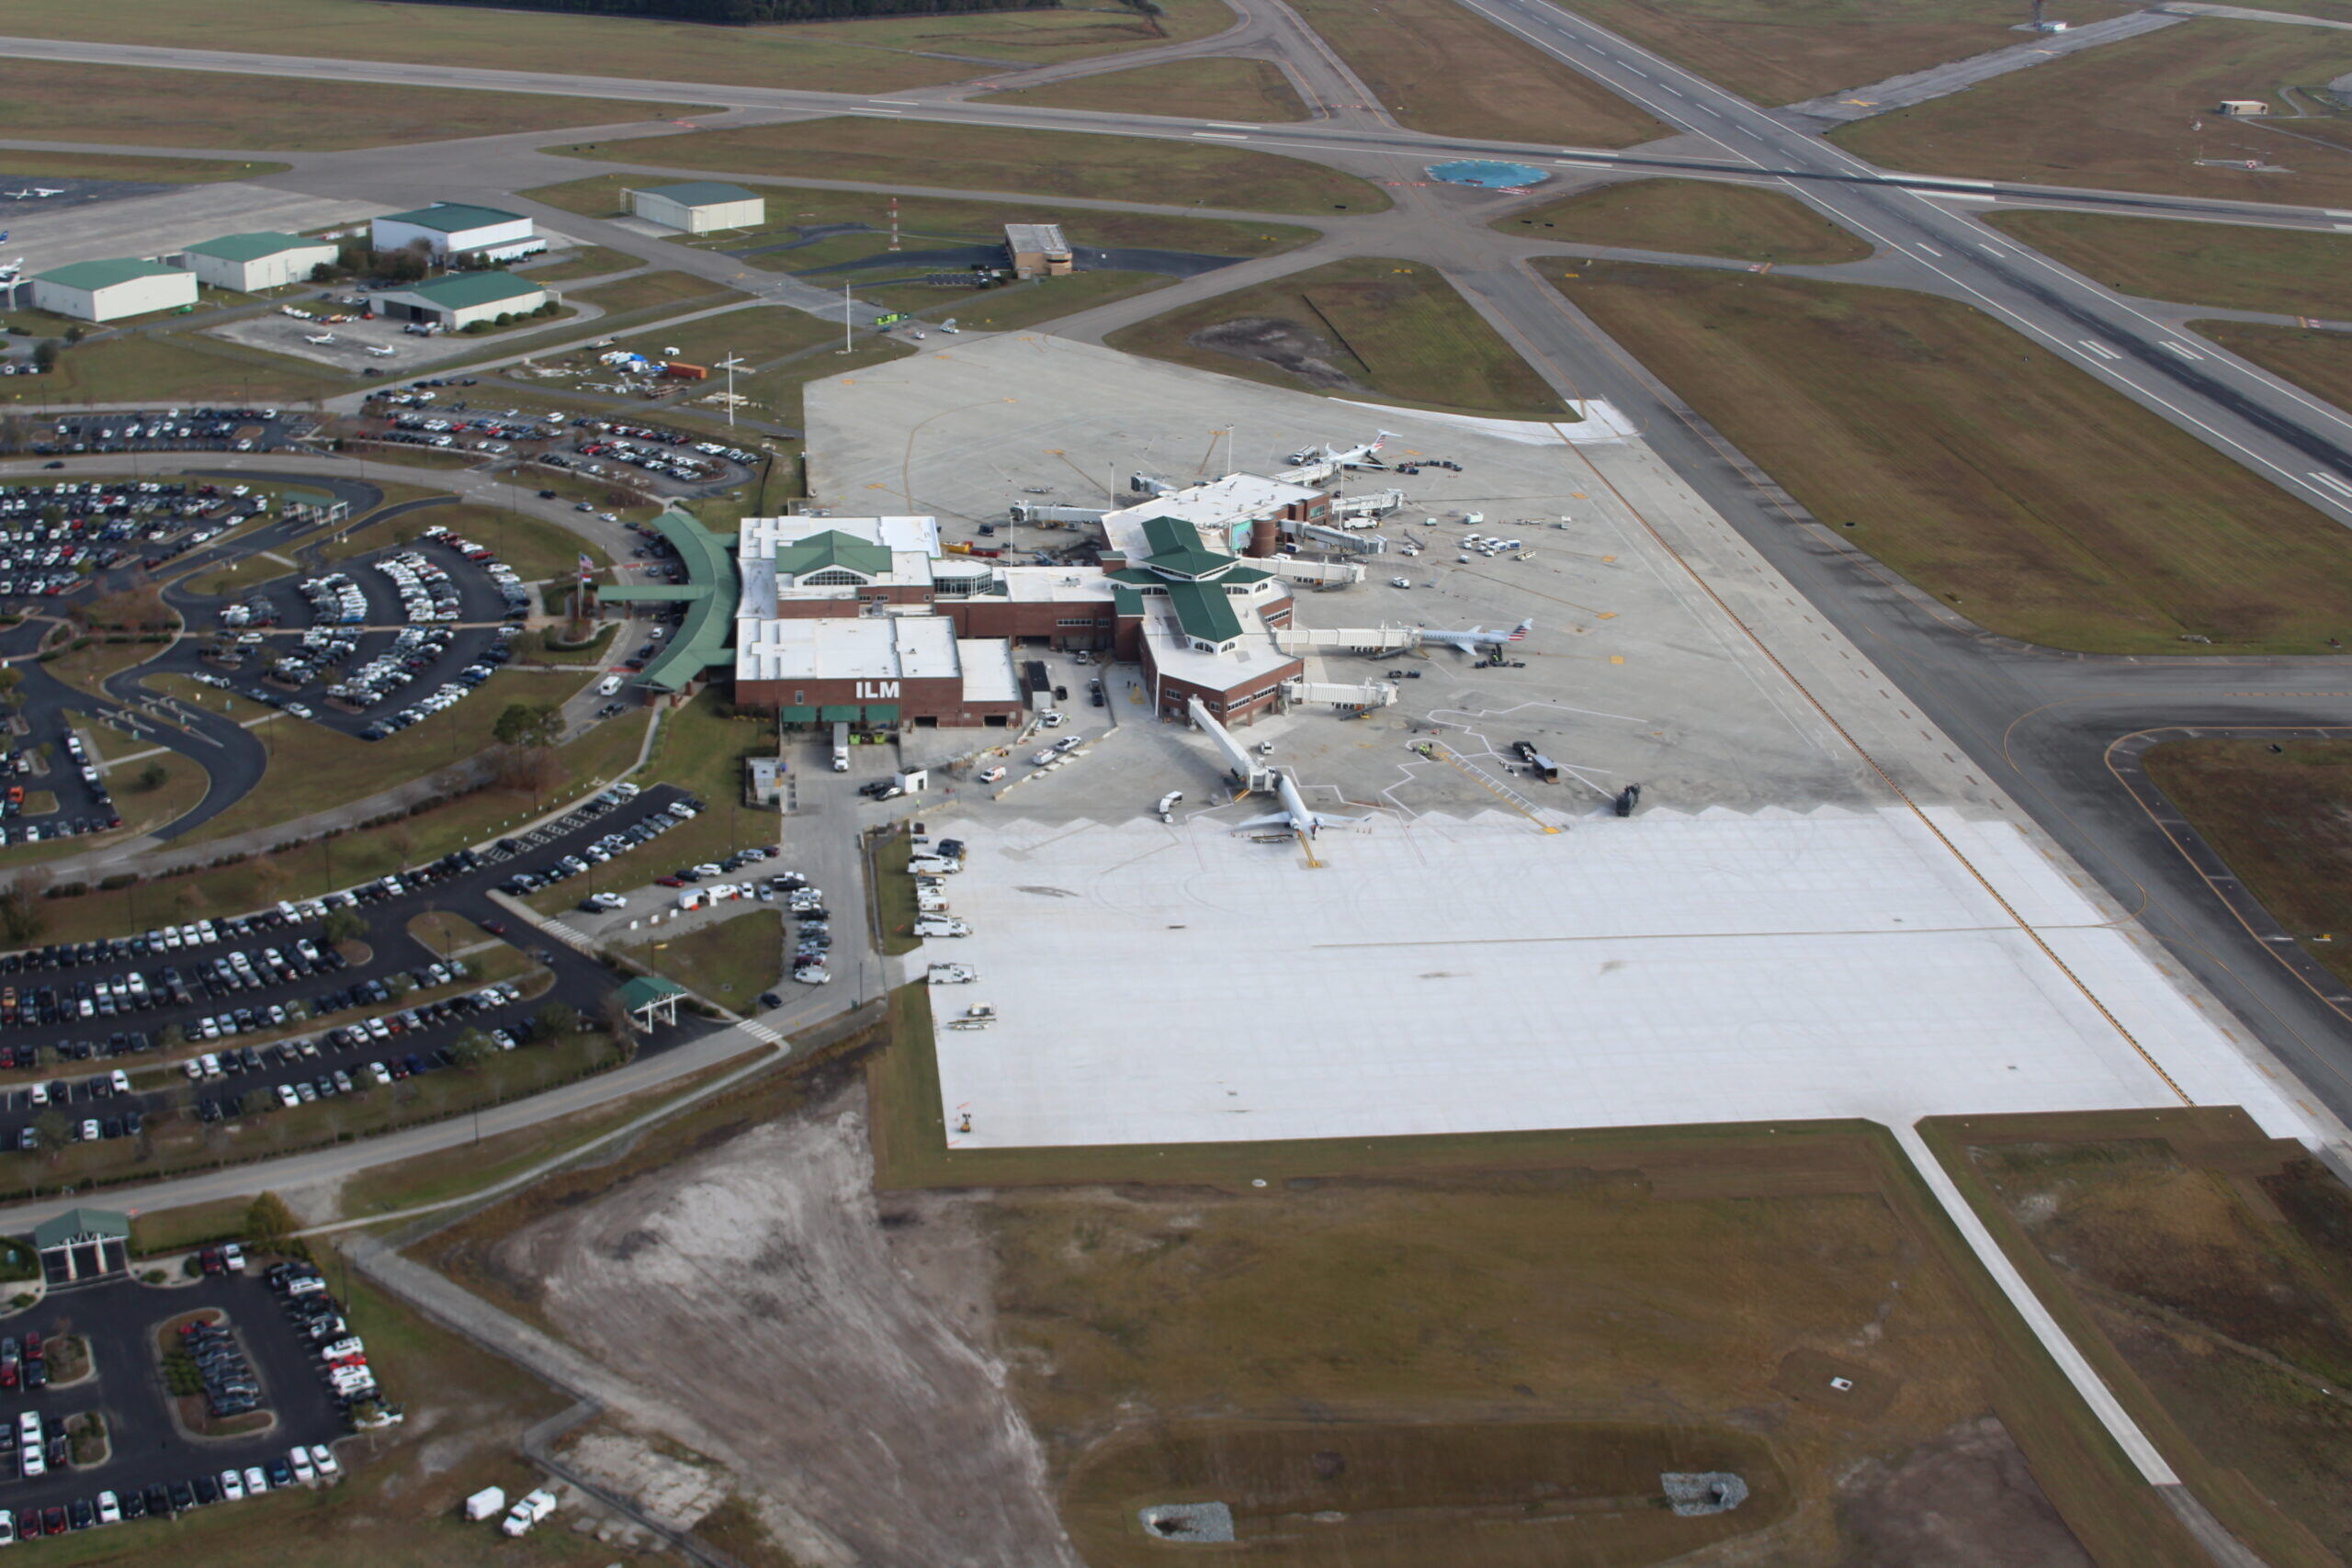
[1477, 640]
[1365, 456]
[11, 271]
[322, 338]
[1295, 814]
[383, 352]
[36, 192]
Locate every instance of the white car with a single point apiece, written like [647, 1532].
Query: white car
[1051, 718]
[992, 775]
[232, 1485]
[323, 1457]
[1046, 756]
[1400, 582]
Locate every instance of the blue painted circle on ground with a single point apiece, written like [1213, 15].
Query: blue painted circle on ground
[1488, 173]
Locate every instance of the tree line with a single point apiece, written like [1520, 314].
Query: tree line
[745, 13]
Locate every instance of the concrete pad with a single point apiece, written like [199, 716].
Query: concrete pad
[169, 221]
[1159, 985]
[1807, 917]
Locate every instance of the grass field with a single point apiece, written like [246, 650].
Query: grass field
[1777, 51]
[1218, 1296]
[312, 767]
[182, 365]
[755, 335]
[536, 549]
[588, 261]
[2202, 1268]
[58, 102]
[777, 389]
[846, 57]
[730, 962]
[1988, 471]
[1015, 305]
[2125, 116]
[88, 668]
[1218, 87]
[1045, 162]
[2283, 821]
[20, 163]
[1375, 326]
[931, 218]
[651, 290]
[2318, 362]
[1439, 68]
[1693, 217]
[2228, 265]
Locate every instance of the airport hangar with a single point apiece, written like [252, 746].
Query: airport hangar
[871, 621]
[251, 263]
[109, 290]
[700, 206]
[457, 229]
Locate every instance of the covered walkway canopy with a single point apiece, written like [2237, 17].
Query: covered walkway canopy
[709, 593]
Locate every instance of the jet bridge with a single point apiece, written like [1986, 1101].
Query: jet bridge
[1250, 773]
[1330, 639]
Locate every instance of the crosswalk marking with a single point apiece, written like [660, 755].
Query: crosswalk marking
[564, 933]
[758, 1030]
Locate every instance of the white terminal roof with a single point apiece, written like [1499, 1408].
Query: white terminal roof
[1252, 661]
[1215, 506]
[1055, 584]
[886, 647]
[988, 674]
[763, 536]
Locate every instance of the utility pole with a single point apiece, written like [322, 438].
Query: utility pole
[728, 364]
[846, 320]
[894, 222]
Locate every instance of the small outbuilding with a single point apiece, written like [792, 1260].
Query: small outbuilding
[2243, 109]
[1037, 249]
[700, 206]
[454, 227]
[251, 263]
[458, 301]
[109, 290]
[80, 1245]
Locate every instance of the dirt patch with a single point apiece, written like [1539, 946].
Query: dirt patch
[1966, 1500]
[862, 1423]
[1286, 345]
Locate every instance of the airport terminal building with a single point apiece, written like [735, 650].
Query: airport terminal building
[868, 620]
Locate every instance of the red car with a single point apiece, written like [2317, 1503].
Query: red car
[52, 1521]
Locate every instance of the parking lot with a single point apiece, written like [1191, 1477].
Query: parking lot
[151, 1453]
[192, 429]
[335, 1027]
[371, 645]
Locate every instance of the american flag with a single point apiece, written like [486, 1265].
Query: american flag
[587, 567]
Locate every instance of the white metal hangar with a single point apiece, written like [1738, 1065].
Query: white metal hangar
[251, 263]
[458, 301]
[109, 290]
[700, 206]
[452, 228]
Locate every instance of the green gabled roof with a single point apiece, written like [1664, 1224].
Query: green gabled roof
[62, 1228]
[1126, 601]
[649, 989]
[463, 290]
[1176, 549]
[832, 549]
[254, 247]
[452, 217]
[1136, 577]
[1246, 574]
[709, 625]
[1204, 611]
[701, 193]
[95, 275]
